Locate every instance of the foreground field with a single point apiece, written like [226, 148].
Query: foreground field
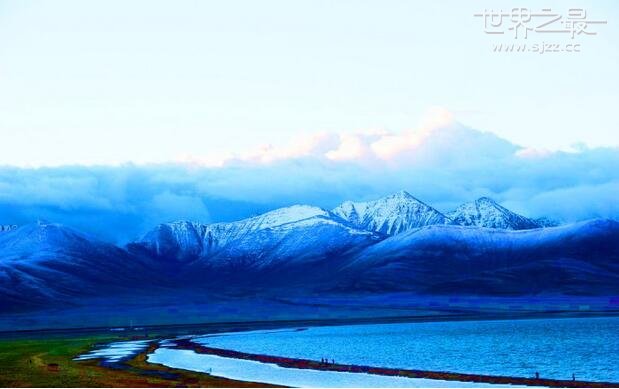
[48, 363]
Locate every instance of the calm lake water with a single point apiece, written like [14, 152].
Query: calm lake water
[556, 348]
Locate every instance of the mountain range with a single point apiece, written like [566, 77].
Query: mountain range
[393, 244]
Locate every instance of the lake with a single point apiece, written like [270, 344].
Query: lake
[556, 348]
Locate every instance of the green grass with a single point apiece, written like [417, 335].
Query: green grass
[26, 363]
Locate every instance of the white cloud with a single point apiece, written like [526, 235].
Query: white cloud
[532, 153]
[440, 161]
[352, 147]
[361, 146]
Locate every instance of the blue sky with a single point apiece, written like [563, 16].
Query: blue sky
[105, 82]
[126, 114]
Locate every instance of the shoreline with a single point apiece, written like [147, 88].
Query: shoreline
[239, 326]
[297, 363]
[169, 331]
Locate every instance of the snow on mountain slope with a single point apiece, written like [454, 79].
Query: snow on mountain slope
[390, 215]
[547, 222]
[485, 212]
[256, 235]
[303, 241]
[216, 236]
[40, 241]
[178, 240]
[307, 250]
[480, 239]
[44, 260]
[580, 258]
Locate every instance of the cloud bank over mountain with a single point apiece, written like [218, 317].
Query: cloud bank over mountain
[442, 162]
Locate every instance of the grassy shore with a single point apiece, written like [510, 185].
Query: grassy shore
[49, 363]
[45, 358]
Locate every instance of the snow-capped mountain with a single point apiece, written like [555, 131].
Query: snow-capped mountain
[390, 215]
[43, 261]
[547, 222]
[296, 231]
[396, 243]
[178, 240]
[485, 212]
[271, 235]
[43, 241]
[303, 251]
[575, 259]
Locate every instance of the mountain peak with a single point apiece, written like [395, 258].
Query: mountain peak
[390, 215]
[296, 212]
[486, 200]
[44, 228]
[186, 240]
[286, 215]
[401, 194]
[485, 212]
[47, 238]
